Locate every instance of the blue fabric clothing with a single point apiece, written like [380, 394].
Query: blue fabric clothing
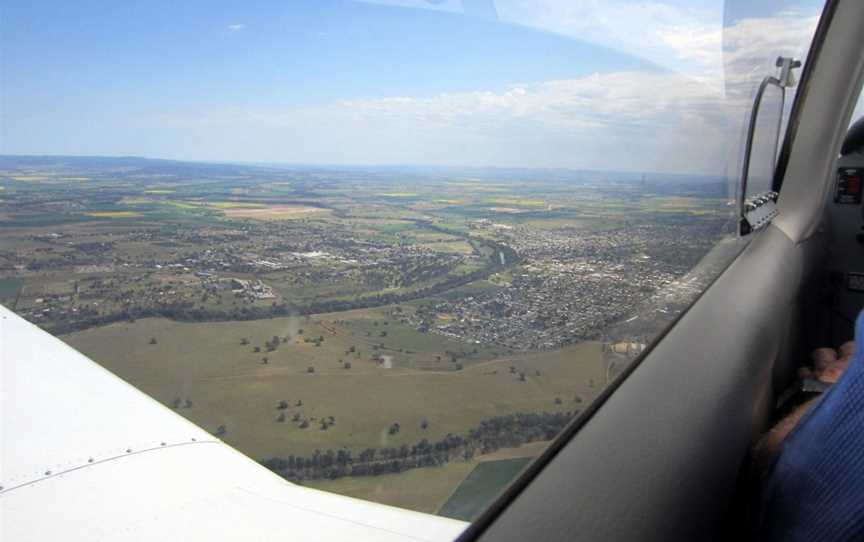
[815, 490]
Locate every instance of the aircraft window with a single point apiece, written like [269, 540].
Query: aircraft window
[387, 248]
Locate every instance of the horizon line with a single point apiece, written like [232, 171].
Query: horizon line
[255, 163]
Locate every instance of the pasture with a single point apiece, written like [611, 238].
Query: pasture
[228, 384]
[9, 289]
[273, 212]
[424, 490]
[113, 214]
[430, 489]
[479, 489]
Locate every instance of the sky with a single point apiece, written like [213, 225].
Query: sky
[614, 84]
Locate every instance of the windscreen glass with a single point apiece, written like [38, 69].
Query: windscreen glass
[388, 249]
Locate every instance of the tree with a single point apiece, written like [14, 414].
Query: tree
[299, 402]
[424, 424]
[152, 340]
[304, 424]
[176, 403]
[537, 373]
[394, 428]
[281, 417]
[310, 369]
[558, 401]
[221, 430]
[265, 360]
[521, 377]
[282, 405]
[257, 349]
[346, 365]
[244, 341]
[188, 404]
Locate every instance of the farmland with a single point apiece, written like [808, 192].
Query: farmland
[481, 485]
[228, 384]
[376, 332]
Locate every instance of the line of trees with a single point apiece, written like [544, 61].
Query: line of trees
[491, 434]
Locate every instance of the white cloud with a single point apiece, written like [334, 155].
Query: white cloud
[594, 121]
[236, 27]
[647, 30]
[660, 121]
[671, 34]
[754, 44]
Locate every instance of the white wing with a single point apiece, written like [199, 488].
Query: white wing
[86, 456]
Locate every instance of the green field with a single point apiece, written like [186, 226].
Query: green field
[486, 481]
[423, 490]
[228, 384]
[426, 489]
[9, 289]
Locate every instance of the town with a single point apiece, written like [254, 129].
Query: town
[538, 275]
[364, 314]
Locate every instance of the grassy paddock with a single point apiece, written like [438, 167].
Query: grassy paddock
[229, 385]
[9, 289]
[424, 490]
[479, 489]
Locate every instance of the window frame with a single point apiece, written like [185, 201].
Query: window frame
[499, 507]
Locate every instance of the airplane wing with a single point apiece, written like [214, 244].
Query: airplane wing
[85, 456]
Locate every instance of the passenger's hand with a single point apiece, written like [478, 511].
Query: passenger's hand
[829, 364]
[833, 371]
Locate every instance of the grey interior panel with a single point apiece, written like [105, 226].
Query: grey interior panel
[845, 265]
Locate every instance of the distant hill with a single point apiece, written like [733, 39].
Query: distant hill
[127, 165]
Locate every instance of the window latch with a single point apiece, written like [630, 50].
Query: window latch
[759, 211]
